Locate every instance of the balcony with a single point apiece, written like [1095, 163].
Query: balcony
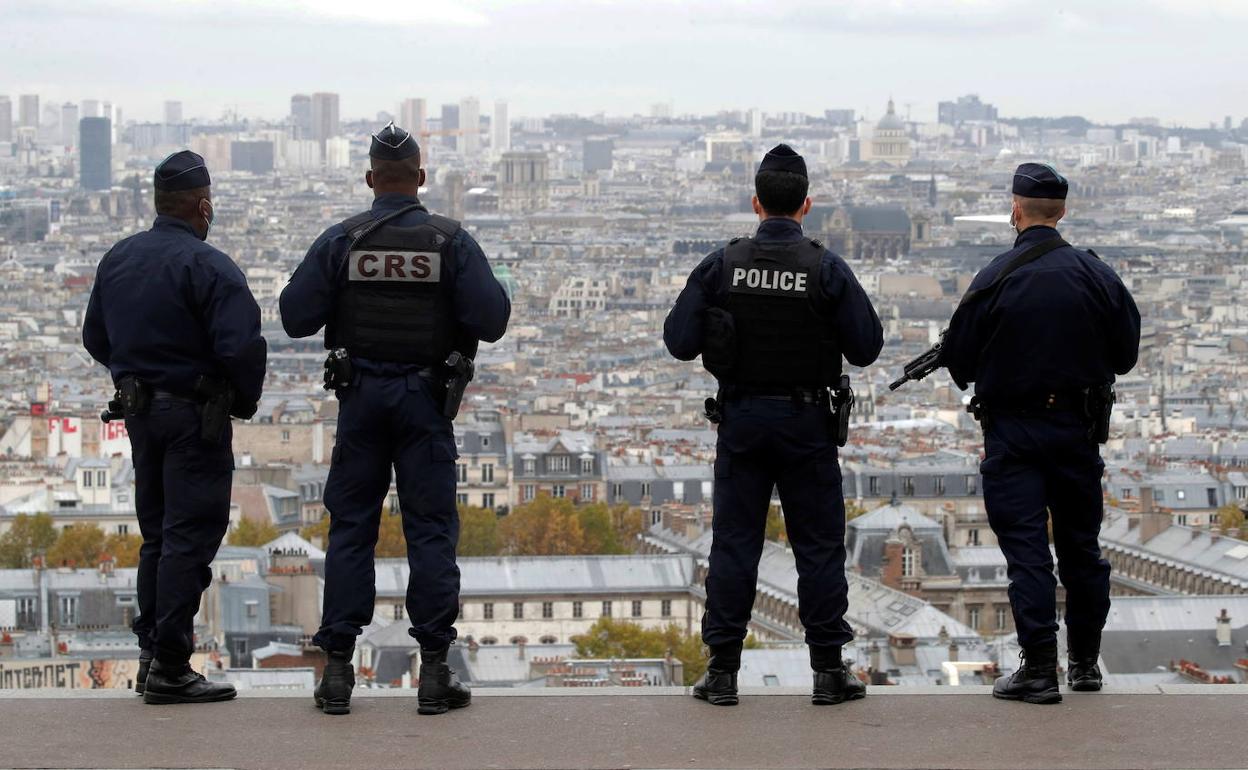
[895, 727]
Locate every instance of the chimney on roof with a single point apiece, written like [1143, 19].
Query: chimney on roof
[902, 646]
[874, 656]
[1223, 630]
[1146, 499]
[953, 651]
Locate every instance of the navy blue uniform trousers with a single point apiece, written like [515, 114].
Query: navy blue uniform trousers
[1037, 466]
[767, 444]
[388, 419]
[182, 498]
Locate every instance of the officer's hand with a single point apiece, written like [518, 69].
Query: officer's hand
[244, 411]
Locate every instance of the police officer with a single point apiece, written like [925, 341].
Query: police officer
[772, 317]
[1042, 332]
[400, 290]
[175, 323]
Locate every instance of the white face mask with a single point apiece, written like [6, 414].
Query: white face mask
[212, 214]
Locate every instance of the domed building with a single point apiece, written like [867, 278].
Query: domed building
[890, 142]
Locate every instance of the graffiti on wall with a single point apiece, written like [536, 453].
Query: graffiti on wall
[76, 674]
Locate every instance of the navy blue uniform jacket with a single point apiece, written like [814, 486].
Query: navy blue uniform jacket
[1060, 323]
[850, 317]
[167, 308]
[308, 302]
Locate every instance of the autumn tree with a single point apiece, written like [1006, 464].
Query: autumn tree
[609, 529]
[251, 532]
[775, 526]
[610, 638]
[77, 546]
[27, 536]
[390, 541]
[544, 527]
[124, 549]
[478, 532]
[1230, 517]
[317, 532]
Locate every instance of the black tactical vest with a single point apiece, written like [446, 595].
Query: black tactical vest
[775, 300]
[396, 291]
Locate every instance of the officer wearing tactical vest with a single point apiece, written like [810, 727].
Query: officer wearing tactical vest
[404, 296]
[1042, 332]
[179, 330]
[772, 317]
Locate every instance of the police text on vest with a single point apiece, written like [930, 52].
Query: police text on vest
[775, 280]
[409, 266]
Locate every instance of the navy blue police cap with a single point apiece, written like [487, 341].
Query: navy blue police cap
[182, 170]
[393, 143]
[783, 158]
[1039, 180]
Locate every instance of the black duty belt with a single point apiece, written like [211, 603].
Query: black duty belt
[800, 395]
[164, 395]
[1056, 401]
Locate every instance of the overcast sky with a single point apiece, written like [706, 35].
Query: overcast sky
[1183, 61]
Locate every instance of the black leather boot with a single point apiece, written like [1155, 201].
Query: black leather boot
[333, 694]
[440, 689]
[834, 682]
[145, 665]
[1035, 681]
[718, 686]
[182, 684]
[1082, 672]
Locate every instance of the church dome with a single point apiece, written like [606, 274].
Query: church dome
[890, 121]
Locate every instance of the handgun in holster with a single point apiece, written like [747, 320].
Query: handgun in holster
[132, 398]
[1098, 406]
[842, 404]
[713, 408]
[216, 397]
[459, 372]
[338, 370]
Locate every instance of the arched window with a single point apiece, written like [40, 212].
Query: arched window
[519, 640]
[549, 640]
[487, 640]
[907, 562]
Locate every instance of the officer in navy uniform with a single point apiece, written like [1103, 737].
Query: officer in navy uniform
[1042, 346]
[170, 315]
[772, 316]
[399, 289]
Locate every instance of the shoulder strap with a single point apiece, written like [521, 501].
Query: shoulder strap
[1030, 255]
[444, 225]
[365, 227]
[356, 222]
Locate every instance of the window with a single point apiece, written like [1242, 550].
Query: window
[485, 442]
[606, 609]
[398, 611]
[940, 485]
[528, 492]
[285, 435]
[707, 488]
[101, 478]
[488, 640]
[69, 610]
[1127, 493]
[617, 491]
[1181, 494]
[578, 610]
[1181, 519]
[907, 562]
[1000, 618]
[519, 640]
[972, 617]
[587, 492]
[549, 640]
[253, 608]
[1213, 497]
[558, 490]
[873, 485]
[87, 478]
[517, 610]
[487, 611]
[587, 466]
[665, 608]
[530, 466]
[548, 610]
[240, 648]
[461, 473]
[972, 485]
[636, 609]
[461, 498]
[771, 680]
[26, 615]
[907, 486]
[487, 473]
[123, 529]
[972, 537]
[487, 500]
[645, 489]
[558, 464]
[678, 491]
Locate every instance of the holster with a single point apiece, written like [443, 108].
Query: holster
[977, 410]
[842, 404]
[217, 397]
[338, 370]
[460, 370]
[713, 408]
[1098, 408]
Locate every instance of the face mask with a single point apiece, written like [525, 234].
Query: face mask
[212, 213]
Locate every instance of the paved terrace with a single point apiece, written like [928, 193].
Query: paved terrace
[1180, 726]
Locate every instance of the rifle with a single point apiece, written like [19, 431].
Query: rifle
[922, 366]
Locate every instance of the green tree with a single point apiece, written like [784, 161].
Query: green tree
[27, 536]
[124, 549]
[853, 510]
[1231, 517]
[250, 532]
[609, 529]
[610, 638]
[478, 532]
[77, 546]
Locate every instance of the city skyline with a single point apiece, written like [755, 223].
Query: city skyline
[614, 58]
